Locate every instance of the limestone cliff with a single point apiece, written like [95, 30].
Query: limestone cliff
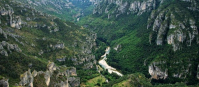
[114, 8]
[171, 27]
[74, 9]
[61, 76]
[176, 25]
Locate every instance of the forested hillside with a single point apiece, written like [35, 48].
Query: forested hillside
[112, 43]
[158, 38]
[31, 40]
[71, 10]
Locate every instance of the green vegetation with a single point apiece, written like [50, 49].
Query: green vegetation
[37, 39]
[67, 10]
[97, 81]
[136, 53]
[39, 81]
[86, 75]
[42, 32]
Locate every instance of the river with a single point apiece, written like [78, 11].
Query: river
[104, 64]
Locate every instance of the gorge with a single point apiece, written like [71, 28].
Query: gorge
[61, 43]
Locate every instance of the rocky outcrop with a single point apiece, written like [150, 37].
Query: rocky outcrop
[140, 7]
[62, 84]
[124, 7]
[52, 79]
[47, 77]
[14, 21]
[4, 53]
[10, 48]
[159, 70]
[26, 79]
[4, 83]
[59, 46]
[74, 81]
[51, 67]
[60, 6]
[173, 28]
[71, 71]
[118, 47]
[156, 72]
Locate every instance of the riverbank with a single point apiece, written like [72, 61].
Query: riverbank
[104, 64]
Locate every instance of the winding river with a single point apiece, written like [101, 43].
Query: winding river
[104, 64]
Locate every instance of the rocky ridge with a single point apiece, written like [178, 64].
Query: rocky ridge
[75, 8]
[28, 78]
[114, 8]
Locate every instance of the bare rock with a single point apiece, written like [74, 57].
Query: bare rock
[4, 83]
[26, 79]
[157, 73]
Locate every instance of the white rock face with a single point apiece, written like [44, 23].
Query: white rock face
[51, 67]
[26, 79]
[68, 73]
[47, 77]
[14, 21]
[172, 29]
[10, 47]
[123, 7]
[156, 72]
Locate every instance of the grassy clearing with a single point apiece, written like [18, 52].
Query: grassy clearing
[123, 84]
[97, 81]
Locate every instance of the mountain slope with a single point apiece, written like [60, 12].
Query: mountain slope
[71, 10]
[158, 38]
[155, 37]
[29, 39]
